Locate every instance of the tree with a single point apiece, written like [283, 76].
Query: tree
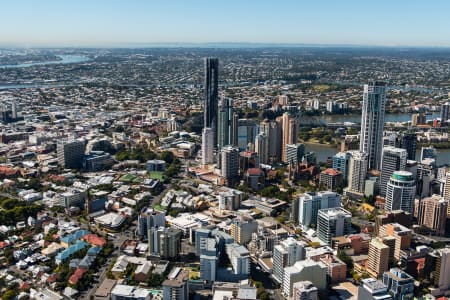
[9, 295]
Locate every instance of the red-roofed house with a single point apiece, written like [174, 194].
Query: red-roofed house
[77, 275]
[331, 179]
[94, 240]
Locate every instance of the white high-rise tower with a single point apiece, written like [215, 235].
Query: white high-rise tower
[372, 122]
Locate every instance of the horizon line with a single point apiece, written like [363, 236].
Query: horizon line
[218, 45]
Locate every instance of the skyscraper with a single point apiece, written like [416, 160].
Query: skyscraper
[393, 159]
[372, 122]
[290, 132]
[378, 258]
[229, 158]
[273, 131]
[445, 112]
[333, 222]
[400, 191]
[207, 146]
[433, 214]
[211, 94]
[409, 143]
[357, 171]
[225, 128]
[286, 254]
[262, 147]
[70, 153]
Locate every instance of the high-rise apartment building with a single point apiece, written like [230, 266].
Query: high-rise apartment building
[225, 130]
[148, 219]
[432, 213]
[207, 146]
[229, 158]
[176, 286]
[378, 259]
[289, 132]
[310, 203]
[418, 119]
[164, 242]
[401, 238]
[70, 153]
[341, 163]
[445, 112]
[393, 159]
[400, 191]
[285, 254]
[294, 153]
[273, 131]
[239, 257]
[262, 147]
[357, 171]
[211, 95]
[333, 222]
[242, 229]
[442, 269]
[372, 122]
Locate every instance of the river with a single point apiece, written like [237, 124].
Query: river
[325, 151]
[65, 59]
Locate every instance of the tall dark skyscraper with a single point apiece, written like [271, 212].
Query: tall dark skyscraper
[409, 143]
[211, 94]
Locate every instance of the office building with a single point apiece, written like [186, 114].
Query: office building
[427, 152]
[391, 138]
[73, 197]
[357, 171]
[208, 267]
[242, 229]
[372, 289]
[294, 153]
[273, 132]
[97, 161]
[164, 242]
[372, 122]
[409, 143]
[401, 235]
[432, 213]
[445, 112]
[333, 222]
[378, 258]
[419, 119]
[399, 284]
[211, 95]
[225, 130]
[262, 147]
[246, 131]
[150, 218]
[305, 290]
[393, 159]
[239, 257]
[289, 128]
[70, 153]
[155, 165]
[400, 192]
[230, 199]
[331, 179]
[310, 203]
[207, 146]
[229, 157]
[285, 254]
[304, 270]
[201, 237]
[341, 163]
[442, 269]
[176, 286]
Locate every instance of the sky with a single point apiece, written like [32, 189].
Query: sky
[138, 22]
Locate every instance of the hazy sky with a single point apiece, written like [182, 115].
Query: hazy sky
[126, 22]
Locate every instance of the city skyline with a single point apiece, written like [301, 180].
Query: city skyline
[157, 23]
